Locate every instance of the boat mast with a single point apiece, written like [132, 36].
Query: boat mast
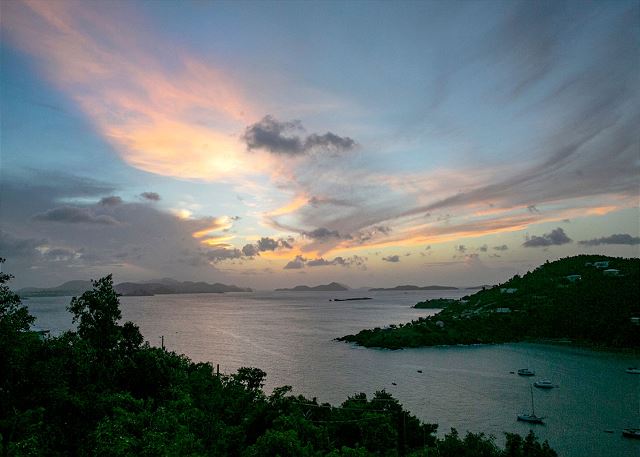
[533, 411]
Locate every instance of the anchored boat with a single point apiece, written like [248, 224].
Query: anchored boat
[531, 418]
[544, 384]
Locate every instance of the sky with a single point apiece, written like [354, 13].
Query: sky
[269, 144]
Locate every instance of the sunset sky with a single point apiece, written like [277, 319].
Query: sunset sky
[269, 144]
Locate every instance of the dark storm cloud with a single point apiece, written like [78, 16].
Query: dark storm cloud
[288, 138]
[556, 237]
[392, 258]
[152, 196]
[619, 238]
[74, 215]
[111, 201]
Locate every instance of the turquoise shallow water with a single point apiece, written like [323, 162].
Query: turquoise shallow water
[290, 336]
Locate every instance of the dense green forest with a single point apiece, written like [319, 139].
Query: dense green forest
[570, 298]
[102, 391]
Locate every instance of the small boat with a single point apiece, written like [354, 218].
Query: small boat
[633, 370]
[631, 433]
[531, 418]
[394, 384]
[543, 384]
[419, 371]
[526, 372]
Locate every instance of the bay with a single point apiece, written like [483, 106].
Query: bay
[290, 335]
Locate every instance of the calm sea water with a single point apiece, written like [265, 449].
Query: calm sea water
[290, 336]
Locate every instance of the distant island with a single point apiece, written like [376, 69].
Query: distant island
[331, 287]
[410, 287]
[164, 286]
[587, 299]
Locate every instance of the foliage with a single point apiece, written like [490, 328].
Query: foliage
[542, 304]
[100, 391]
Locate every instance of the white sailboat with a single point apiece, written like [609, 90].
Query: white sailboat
[531, 418]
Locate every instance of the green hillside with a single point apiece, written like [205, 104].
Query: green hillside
[548, 303]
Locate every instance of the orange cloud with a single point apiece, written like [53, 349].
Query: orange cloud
[216, 224]
[290, 207]
[169, 114]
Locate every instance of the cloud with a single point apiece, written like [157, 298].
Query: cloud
[110, 201]
[60, 254]
[287, 138]
[319, 262]
[555, 238]
[267, 244]
[74, 215]
[355, 260]
[502, 247]
[152, 196]
[220, 254]
[250, 250]
[295, 264]
[322, 233]
[392, 258]
[619, 238]
[461, 248]
[164, 110]
[12, 247]
[301, 262]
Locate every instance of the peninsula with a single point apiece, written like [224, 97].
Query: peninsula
[592, 300]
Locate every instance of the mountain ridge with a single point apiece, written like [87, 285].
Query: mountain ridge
[164, 286]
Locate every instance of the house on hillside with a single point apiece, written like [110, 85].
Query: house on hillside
[601, 264]
[635, 320]
[611, 272]
[573, 278]
[503, 310]
[508, 290]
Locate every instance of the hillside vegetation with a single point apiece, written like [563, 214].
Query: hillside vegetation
[547, 303]
[102, 391]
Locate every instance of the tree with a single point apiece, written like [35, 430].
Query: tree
[252, 378]
[14, 317]
[97, 313]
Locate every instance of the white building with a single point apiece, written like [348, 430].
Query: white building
[611, 272]
[601, 264]
[573, 278]
[503, 310]
[508, 290]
